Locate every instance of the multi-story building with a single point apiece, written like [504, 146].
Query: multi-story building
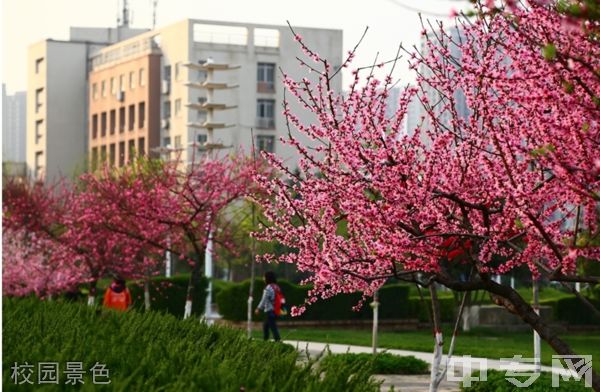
[216, 81]
[124, 102]
[13, 126]
[112, 93]
[57, 100]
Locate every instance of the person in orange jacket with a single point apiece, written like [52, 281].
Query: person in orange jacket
[117, 296]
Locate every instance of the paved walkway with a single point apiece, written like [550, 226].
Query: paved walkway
[415, 383]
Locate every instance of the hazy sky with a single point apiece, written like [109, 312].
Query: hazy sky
[27, 21]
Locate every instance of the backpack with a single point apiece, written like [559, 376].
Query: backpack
[279, 303]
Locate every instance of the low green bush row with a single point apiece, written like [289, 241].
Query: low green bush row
[383, 363]
[168, 295]
[152, 351]
[572, 311]
[232, 302]
[496, 382]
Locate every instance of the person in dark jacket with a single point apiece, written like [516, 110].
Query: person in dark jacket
[267, 304]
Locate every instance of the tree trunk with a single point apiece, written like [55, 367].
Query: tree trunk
[194, 278]
[438, 348]
[147, 293]
[92, 294]
[514, 303]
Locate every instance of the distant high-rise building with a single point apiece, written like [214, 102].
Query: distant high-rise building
[14, 109]
[436, 100]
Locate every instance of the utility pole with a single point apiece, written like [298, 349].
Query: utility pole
[209, 106]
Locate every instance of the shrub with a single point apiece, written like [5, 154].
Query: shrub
[152, 351]
[168, 295]
[233, 305]
[496, 382]
[421, 311]
[572, 311]
[383, 363]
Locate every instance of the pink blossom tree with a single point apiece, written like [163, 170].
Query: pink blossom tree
[515, 182]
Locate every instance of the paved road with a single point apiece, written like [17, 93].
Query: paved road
[415, 383]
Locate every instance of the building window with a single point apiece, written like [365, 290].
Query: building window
[131, 117]
[202, 75]
[121, 154]
[38, 130]
[131, 80]
[39, 164]
[113, 121]
[131, 148]
[94, 163]
[112, 154]
[265, 143]
[177, 141]
[38, 99]
[266, 78]
[167, 109]
[103, 124]
[122, 83]
[265, 113]
[38, 65]
[142, 146]
[177, 106]
[201, 116]
[201, 138]
[177, 70]
[95, 90]
[122, 119]
[167, 73]
[141, 114]
[103, 89]
[167, 142]
[113, 86]
[142, 81]
[94, 126]
[103, 154]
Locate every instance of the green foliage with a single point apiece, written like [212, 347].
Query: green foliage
[421, 310]
[572, 311]
[233, 305]
[169, 294]
[153, 351]
[549, 52]
[496, 382]
[383, 363]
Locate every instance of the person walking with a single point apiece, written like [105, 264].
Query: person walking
[117, 295]
[270, 303]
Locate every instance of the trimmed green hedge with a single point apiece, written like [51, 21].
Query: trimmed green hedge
[232, 302]
[169, 294]
[383, 363]
[496, 382]
[572, 311]
[421, 310]
[156, 352]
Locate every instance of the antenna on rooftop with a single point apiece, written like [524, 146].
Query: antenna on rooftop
[154, 5]
[123, 20]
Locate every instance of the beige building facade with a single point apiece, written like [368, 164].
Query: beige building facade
[57, 105]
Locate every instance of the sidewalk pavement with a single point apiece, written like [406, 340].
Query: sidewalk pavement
[315, 348]
[419, 383]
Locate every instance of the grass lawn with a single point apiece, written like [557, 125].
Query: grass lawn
[479, 342]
